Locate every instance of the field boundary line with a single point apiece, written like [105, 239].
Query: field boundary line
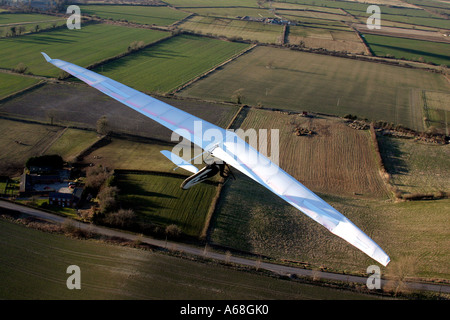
[20, 92]
[206, 73]
[59, 135]
[204, 235]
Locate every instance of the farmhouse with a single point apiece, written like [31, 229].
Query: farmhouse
[65, 199]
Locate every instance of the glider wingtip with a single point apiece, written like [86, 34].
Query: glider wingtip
[47, 58]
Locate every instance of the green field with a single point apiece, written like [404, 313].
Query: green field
[84, 47]
[131, 155]
[71, 143]
[11, 83]
[299, 81]
[158, 199]
[329, 38]
[389, 12]
[233, 28]
[18, 18]
[171, 63]
[230, 12]
[161, 16]
[437, 110]
[19, 141]
[212, 3]
[35, 263]
[416, 167]
[24, 23]
[409, 49]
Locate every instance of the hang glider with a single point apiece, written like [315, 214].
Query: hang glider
[232, 150]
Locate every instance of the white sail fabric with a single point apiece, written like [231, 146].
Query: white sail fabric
[228, 147]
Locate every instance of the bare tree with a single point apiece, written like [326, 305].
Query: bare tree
[103, 126]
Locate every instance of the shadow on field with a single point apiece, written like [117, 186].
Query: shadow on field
[392, 156]
[149, 53]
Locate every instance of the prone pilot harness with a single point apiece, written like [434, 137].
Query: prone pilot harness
[208, 172]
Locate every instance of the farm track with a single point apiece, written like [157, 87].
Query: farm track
[209, 253]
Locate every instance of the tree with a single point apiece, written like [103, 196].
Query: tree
[173, 231]
[21, 68]
[12, 31]
[103, 126]
[107, 198]
[122, 218]
[96, 177]
[237, 96]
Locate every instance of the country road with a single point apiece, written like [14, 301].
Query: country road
[200, 251]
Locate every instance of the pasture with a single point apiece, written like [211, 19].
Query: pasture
[234, 28]
[20, 141]
[299, 81]
[416, 167]
[160, 16]
[12, 83]
[167, 65]
[71, 143]
[131, 155]
[24, 23]
[230, 12]
[159, 200]
[409, 49]
[437, 110]
[92, 43]
[36, 264]
[415, 16]
[331, 39]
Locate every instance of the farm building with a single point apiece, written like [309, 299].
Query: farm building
[63, 199]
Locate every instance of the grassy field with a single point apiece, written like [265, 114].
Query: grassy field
[11, 83]
[19, 141]
[18, 18]
[71, 143]
[330, 39]
[36, 264]
[390, 12]
[230, 12]
[299, 81]
[409, 49]
[24, 23]
[416, 167]
[251, 218]
[437, 110]
[169, 64]
[233, 28]
[161, 16]
[88, 45]
[131, 155]
[158, 199]
[212, 3]
[335, 160]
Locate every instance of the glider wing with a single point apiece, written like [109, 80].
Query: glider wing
[234, 151]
